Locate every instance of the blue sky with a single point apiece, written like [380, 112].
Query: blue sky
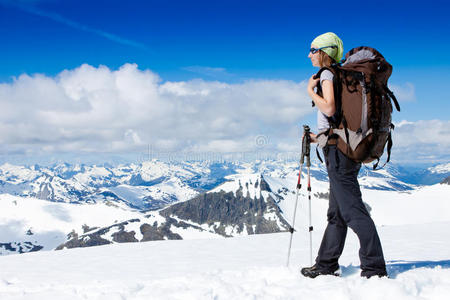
[249, 39]
[231, 42]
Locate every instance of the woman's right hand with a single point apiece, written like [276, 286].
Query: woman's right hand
[312, 83]
[313, 137]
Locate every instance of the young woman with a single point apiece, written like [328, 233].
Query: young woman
[346, 208]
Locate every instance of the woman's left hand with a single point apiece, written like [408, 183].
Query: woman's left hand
[312, 83]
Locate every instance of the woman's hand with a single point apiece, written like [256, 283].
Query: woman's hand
[313, 137]
[312, 84]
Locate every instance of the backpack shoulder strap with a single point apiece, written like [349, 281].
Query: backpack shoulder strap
[337, 89]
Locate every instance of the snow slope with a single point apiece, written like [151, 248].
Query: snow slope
[46, 224]
[426, 204]
[413, 228]
[251, 267]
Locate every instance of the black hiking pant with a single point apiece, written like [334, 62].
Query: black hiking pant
[346, 209]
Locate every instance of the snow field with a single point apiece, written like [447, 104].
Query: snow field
[428, 204]
[413, 228]
[50, 222]
[251, 267]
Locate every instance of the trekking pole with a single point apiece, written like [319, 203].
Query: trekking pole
[305, 139]
[308, 165]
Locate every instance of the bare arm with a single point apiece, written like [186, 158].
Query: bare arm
[325, 103]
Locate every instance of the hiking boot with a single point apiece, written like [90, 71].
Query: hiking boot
[313, 272]
[379, 275]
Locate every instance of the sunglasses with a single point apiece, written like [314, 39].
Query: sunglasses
[314, 50]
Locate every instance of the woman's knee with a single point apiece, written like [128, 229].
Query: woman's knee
[357, 215]
[334, 217]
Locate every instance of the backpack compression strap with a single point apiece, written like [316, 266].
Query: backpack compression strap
[389, 147]
[391, 95]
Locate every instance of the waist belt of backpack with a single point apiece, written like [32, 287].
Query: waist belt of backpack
[331, 140]
[332, 137]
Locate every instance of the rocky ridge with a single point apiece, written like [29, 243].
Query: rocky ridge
[218, 212]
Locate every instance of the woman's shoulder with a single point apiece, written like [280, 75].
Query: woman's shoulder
[326, 75]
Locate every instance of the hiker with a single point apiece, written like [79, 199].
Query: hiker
[346, 208]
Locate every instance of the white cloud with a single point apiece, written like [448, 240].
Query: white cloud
[92, 110]
[422, 141]
[96, 110]
[433, 132]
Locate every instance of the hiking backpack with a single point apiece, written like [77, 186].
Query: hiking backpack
[362, 124]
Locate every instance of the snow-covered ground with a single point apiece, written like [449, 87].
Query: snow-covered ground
[251, 267]
[47, 223]
[413, 228]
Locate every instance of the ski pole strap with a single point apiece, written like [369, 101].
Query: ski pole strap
[318, 155]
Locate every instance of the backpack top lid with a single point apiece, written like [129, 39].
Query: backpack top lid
[368, 61]
[356, 55]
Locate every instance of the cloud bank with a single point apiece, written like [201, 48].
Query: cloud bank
[92, 109]
[99, 110]
[422, 141]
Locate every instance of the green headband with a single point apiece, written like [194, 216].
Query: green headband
[330, 39]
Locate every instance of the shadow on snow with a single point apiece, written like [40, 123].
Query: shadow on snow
[396, 267]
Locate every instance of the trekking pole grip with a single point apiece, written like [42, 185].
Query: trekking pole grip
[306, 142]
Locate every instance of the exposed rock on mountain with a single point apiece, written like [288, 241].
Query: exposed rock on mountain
[233, 210]
[19, 247]
[224, 213]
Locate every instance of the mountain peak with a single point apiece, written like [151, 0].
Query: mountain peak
[442, 168]
[251, 184]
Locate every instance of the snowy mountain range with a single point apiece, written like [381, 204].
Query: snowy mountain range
[150, 185]
[67, 206]
[244, 205]
[411, 220]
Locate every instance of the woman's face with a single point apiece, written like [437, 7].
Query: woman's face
[314, 57]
